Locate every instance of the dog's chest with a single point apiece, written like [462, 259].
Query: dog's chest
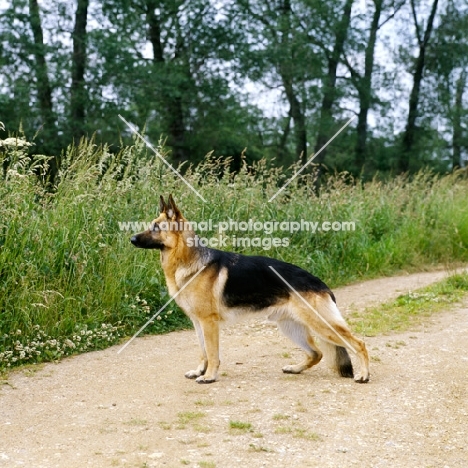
[179, 287]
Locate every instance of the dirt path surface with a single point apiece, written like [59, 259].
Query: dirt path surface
[136, 409]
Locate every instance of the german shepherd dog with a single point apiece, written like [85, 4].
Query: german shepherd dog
[212, 286]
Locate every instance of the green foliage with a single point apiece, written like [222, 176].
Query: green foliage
[67, 267]
[279, 78]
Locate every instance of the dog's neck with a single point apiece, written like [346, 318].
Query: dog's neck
[180, 262]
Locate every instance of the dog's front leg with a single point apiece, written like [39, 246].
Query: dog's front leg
[210, 328]
[201, 369]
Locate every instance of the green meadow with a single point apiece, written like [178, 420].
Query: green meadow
[70, 281]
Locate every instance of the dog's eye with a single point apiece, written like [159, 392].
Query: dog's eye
[155, 227]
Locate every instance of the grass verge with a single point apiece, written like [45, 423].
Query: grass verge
[410, 309]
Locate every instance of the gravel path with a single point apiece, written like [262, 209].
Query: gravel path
[136, 409]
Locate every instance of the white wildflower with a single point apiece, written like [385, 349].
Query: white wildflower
[69, 343]
[15, 143]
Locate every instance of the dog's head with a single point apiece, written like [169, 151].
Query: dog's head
[166, 231]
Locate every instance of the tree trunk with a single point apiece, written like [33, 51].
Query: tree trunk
[174, 111]
[457, 126]
[329, 84]
[177, 130]
[154, 31]
[300, 132]
[44, 90]
[78, 93]
[365, 88]
[287, 77]
[410, 130]
[284, 139]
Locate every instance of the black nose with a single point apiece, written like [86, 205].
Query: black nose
[133, 240]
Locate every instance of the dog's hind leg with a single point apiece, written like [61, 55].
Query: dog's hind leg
[325, 319]
[341, 337]
[337, 358]
[300, 334]
[201, 369]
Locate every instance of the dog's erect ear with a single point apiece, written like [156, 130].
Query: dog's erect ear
[172, 211]
[162, 204]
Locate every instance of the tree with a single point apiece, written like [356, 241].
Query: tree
[448, 64]
[178, 69]
[458, 139]
[172, 96]
[288, 45]
[334, 56]
[423, 39]
[290, 79]
[43, 87]
[179, 86]
[362, 80]
[274, 52]
[78, 98]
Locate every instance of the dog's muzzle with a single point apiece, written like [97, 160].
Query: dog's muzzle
[133, 240]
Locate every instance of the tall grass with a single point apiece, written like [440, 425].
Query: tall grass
[71, 281]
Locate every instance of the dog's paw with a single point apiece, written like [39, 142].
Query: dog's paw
[292, 369]
[204, 380]
[361, 379]
[193, 374]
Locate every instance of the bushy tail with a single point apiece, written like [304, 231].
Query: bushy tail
[337, 358]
